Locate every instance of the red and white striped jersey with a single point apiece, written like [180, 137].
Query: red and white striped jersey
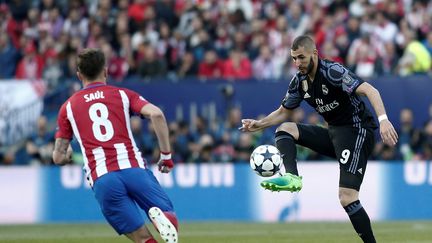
[99, 118]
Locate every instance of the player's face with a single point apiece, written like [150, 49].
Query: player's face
[303, 60]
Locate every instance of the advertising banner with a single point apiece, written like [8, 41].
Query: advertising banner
[21, 104]
[224, 192]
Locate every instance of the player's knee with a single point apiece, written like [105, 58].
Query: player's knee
[289, 127]
[347, 196]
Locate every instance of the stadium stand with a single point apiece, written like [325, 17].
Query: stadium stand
[206, 42]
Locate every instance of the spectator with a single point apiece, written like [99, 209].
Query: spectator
[415, 59]
[224, 150]
[76, 25]
[211, 67]
[203, 43]
[30, 24]
[40, 145]
[177, 48]
[384, 30]
[362, 56]
[137, 132]
[188, 66]
[222, 42]
[238, 66]
[389, 61]
[297, 19]
[409, 136]
[386, 153]
[117, 65]
[352, 28]
[137, 10]
[426, 142]
[330, 52]
[8, 57]
[205, 144]
[264, 67]
[182, 140]
[55, 21]
[150, 66]
[52, 71]
[205, 155]
[427, 42]
[125, 51]
[244, 148]
[31, 65]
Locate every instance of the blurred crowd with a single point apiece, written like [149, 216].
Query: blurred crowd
[201, 141]
[212, 39]
[234, 40]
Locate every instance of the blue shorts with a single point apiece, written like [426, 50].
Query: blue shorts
[119, 193]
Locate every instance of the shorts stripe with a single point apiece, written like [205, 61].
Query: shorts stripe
[357, 150]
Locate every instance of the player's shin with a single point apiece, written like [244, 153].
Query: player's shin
[360, 221]
[287, 147]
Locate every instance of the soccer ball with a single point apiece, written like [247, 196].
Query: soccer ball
[266, 160]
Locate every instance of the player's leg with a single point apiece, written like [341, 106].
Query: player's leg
[285, 140]
[141, 235]
[119, 209]
[289, 134]
[149, 195]
[353, 146]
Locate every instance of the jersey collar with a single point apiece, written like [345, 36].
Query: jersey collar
[94, 84]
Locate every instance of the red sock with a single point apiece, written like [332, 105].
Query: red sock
[151, 241]
[172, 218]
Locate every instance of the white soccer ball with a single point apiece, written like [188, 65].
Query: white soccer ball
[266, 160]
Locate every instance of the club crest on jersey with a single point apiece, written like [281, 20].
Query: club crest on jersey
[305, 85]
[324, 89]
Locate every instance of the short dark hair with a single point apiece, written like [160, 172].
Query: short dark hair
[90, 63]
[306, 41]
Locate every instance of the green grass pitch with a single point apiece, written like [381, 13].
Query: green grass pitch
[331, 232]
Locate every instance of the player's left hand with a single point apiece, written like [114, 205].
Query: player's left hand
[165, 163]
[69, 153]
[388, 133]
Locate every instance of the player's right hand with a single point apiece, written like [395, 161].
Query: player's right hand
[249, 125]
[165, 163]
[388, 134]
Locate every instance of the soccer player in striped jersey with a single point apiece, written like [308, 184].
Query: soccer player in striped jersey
[334, 92]
[99, 118]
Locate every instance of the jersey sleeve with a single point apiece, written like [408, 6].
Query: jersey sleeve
[137, 102]
[64, 128]
[340, 76]
[293, 97]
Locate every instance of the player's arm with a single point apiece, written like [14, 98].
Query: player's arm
[387, 131]
[62, 153]
[276, 117]
[158, 120]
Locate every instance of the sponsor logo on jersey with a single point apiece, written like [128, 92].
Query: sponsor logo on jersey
[327, 107]
[306, 96]
[324, 89]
